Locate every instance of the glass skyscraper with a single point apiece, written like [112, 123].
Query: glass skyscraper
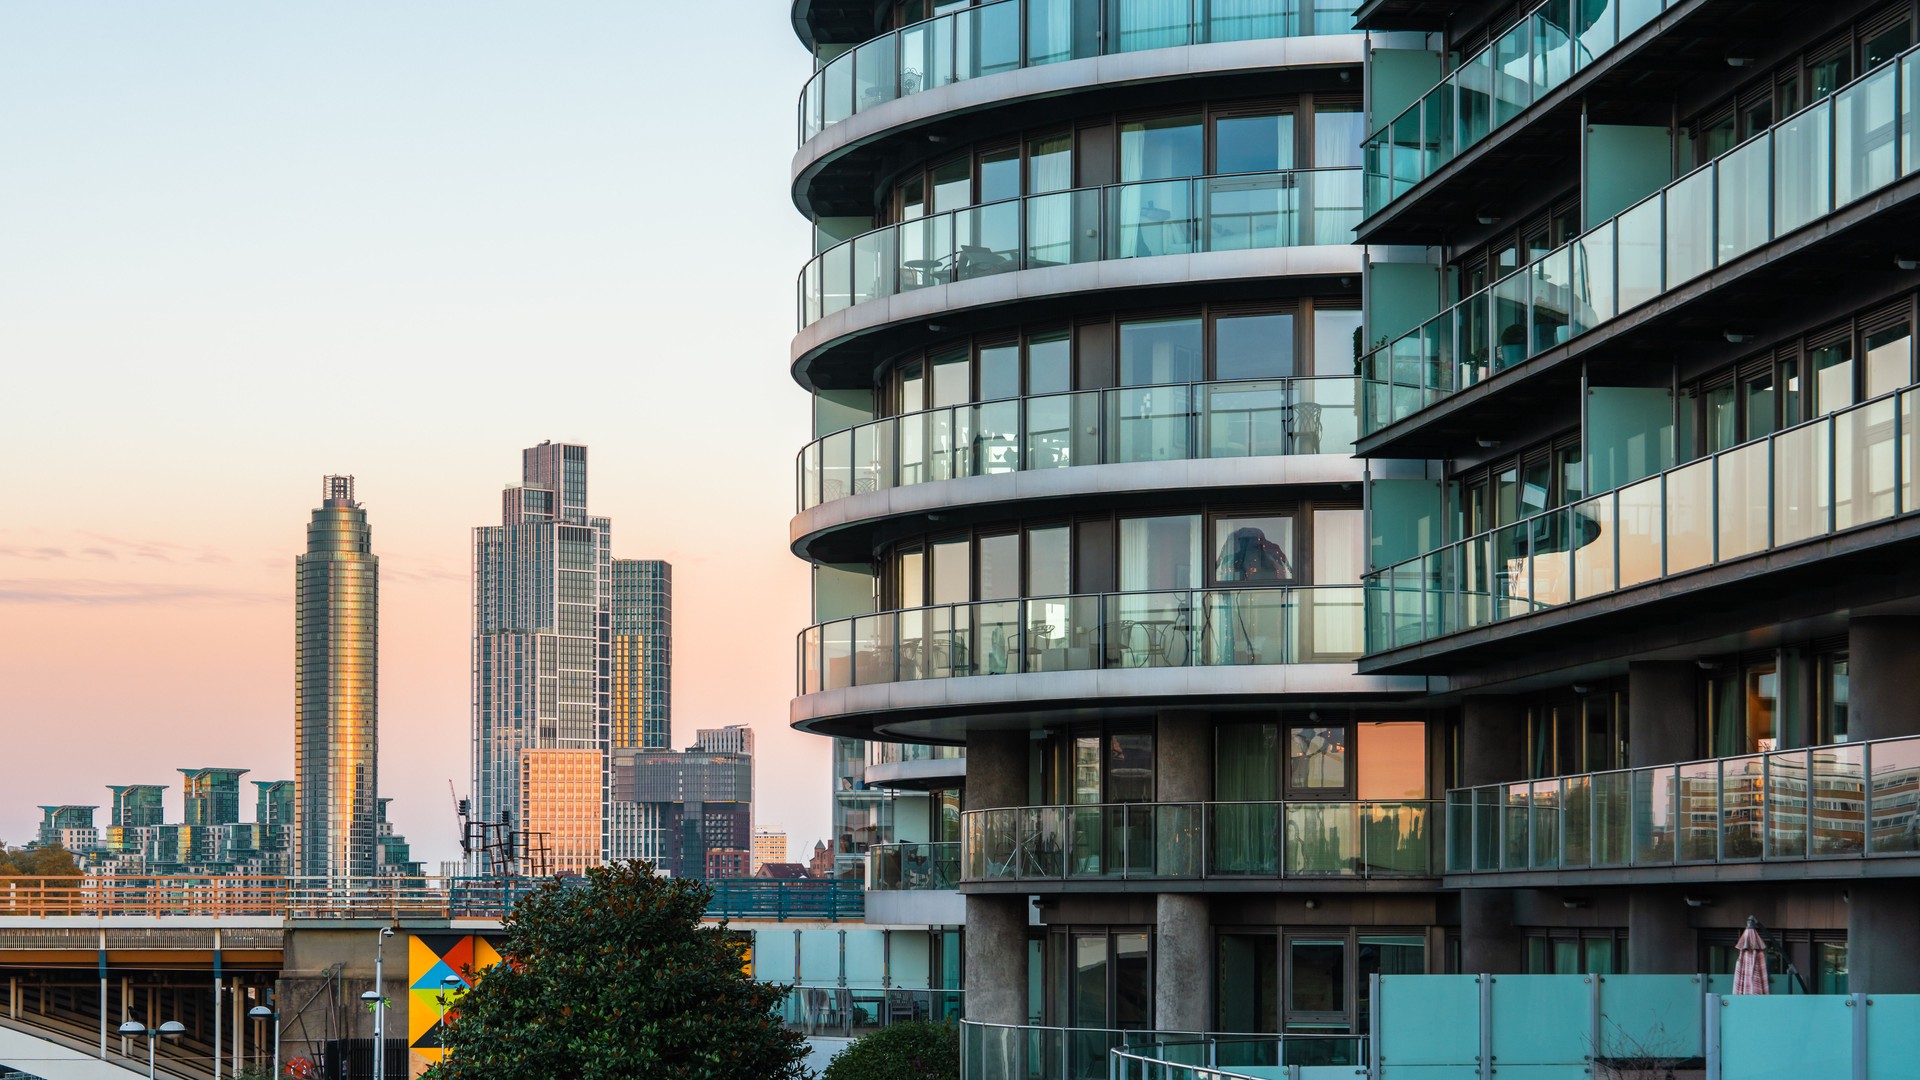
[642, 654]
[336, 689]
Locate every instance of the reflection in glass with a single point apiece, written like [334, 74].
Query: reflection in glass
[1316, 759]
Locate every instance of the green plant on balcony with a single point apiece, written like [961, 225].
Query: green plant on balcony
[919, 1049]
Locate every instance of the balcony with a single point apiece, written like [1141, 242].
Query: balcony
[913, 867]
[1177, 422]
[1810, 177]
[1010, 35]
[1252, 842]
[848, 1012]
[1223, 1057]
[1036, 1052]
[914, 766]
[1842, 472]
[1196, 215]
[1830, 811]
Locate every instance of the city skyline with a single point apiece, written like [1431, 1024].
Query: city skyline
[424, 214]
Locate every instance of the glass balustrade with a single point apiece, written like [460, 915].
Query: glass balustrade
[988, 39]
[1220, 1057]
[1180, 422]
[1191, 841]
[1850, 800]
[1318, 624]
[850, 1011]
[1036, 1052]
[915, 867]
[1849, 468]
[893, 753]
[1837, 151]
[1241, 212]
[1556, 41]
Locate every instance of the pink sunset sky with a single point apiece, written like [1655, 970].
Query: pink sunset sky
[245, 245]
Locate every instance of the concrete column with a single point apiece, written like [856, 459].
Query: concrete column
[1660, 937]
[996, 769]
[1183, 757]
[1663, 722]
[1489, 942]
[1494, 743]
[1883, 653]
[1883, 938]
[996, 954]
[1183, 963]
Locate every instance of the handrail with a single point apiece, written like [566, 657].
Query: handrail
[1484, 92]
[1217, 627]
[1301, 414]
[1008, 35]
[1133, 219]
[1844, 470]
[990, 1051]
[1214, 1057]
[1296, 838]
[913, 866]
[1837, 801]
[1826, 156]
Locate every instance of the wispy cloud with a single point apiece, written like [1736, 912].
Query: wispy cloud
[100, 547]
[94, 592]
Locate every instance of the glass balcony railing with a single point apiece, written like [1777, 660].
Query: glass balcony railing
[1850, 468]
[849, 1012]
[1176, 422]
[1241, 212]
[1191, 841]
[1844, 801]
[913, 867]
[889, 753]
[1835, 152]
[1008, 35]
[1036, 1052]
[1219, 1057]
[1185, 628]
[1558, 39]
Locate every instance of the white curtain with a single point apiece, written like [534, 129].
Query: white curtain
[1250, 20]
[1150, 24]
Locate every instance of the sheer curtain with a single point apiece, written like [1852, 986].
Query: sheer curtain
[1250, 20]
[1049, 202]
[1049, 31]
[1150, 24]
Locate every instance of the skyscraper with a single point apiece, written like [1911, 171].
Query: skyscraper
[212, 795]
[542, 625]
[642, 653]
[336, 690]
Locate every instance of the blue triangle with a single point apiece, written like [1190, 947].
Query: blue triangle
[433, 980]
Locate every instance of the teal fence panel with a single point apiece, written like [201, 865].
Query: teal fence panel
[1429, 1020]
[1893, 1036]
[1790, 1038]
[1651, 1014]
[1776, 984]
[1390, 1071]
[1541, 1072]
[1541, 1020]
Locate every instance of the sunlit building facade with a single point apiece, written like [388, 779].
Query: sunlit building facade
[642, 654]
[336, 693]
[560, 808]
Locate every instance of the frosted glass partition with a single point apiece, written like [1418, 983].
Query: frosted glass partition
[1842, 471]
[1239, 212]
[987, 39]
[1296, 1056]
[1556, 41]
[1317, 624]
[1847, 801]
[1035, 1052]
[1837, 151]
[1186, 841]
[912, 866]
[1245, 418]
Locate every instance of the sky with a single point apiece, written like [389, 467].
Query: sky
[245, 245]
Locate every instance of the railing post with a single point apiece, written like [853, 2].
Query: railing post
[1859, 1003]
[1485, 1060]
[1711, 1036]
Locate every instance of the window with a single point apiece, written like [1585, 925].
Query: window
[999, 575]
[1049, 363]
[1253, 550]
[1336, 332]
[1161, 148]
[1316, 984]
[1000, 174]
[1316, 759]
[1392, 759]
[1835, 672]
[1743, 709]
[1889, 360]
[1247, 144]
[1339, 131]
[952, 379]
[1049, 561]
[1576, 952]
[1050, 163]
[1339, 546]
[1254, 346]
[952, 583]
[1248, 992]
[1157, 351]
[952, 185]
[1110, 984]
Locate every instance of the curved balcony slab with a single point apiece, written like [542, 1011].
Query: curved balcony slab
[813, 346]
[916, 907]
[924, 774]
[842, 528]
[942, 710]
[851, 141]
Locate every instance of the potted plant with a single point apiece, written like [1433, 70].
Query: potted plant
[1513, 345]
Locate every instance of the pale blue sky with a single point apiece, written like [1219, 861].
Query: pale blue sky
[245, 244]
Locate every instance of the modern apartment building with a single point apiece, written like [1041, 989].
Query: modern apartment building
[1663, 375]
[560, 808]
[642, 654]
[336, 697]
[212, 795]
[769, 846]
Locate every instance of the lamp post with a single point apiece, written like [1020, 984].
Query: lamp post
[448, 984]
[267, 1012]
[135, 1027]
[378, 997]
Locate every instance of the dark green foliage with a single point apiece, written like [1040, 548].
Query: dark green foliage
[50, 861]
[916, 1051]
[617, 977]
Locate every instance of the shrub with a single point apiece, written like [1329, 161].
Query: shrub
[916, 1051]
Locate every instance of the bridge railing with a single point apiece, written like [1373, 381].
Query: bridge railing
[271, 896]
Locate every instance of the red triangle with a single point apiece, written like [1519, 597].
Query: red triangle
[460, 957]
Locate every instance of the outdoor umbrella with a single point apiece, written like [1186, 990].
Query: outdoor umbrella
[1750, 971]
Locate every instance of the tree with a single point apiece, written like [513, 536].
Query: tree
[920, 1050]
[615, 976]
[49, 861]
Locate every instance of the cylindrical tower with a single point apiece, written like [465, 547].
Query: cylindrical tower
[336, 691]
[1082, 331]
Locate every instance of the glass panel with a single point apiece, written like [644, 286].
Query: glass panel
[1322, 839]
[1612, 824]
[1512, 74]
[1801, 154]
[1689, 517]
[1690, 227]
[1697, 813]
[1516, 824]
[1786, 803]
[1743, 179]
[1800, 483]
[1653, 824]
[1486, 827]
[1576, 845]
[1741, 500]
[1546, 824]
[1865, 156]
[1639, 528]
[1253, 347]
[1510, 314]
[1640, 275]
[1396, 839]
[1839, 801]
[1896, 796]
[1150, 424]
[1316, 759]
[1590, 534]
[1742, 789]
[1245, 839]
[1251, 419]
[1459, 831]
[1252, 626]
[1553, 299]
[1474, 81]
[1863, 464]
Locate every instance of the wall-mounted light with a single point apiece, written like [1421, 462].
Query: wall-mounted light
[1488, 219]
[1708, 665]
[1739, 61]
[1582, 688]
[936, 327]
[1699, 901]
[1573, 903]
[1312, 904]
[1486, 443]
[1736, 336]
[1905, 263]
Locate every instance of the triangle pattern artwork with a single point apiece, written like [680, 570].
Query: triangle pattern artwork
[430, 959]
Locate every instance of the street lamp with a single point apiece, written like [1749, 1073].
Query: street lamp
[265, 1012]
[448, 984]
[135, 1027]
[378, 998]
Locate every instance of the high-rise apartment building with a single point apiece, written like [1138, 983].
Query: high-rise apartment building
[700, 801]
[642, 654]
[336, 693]
[212, 795]
[137, 805]
[1395, 487]
[732, 739]
[769, 846]
[71, 827]
[560, 807]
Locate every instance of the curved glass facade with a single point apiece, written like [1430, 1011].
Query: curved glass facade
[1238, 212]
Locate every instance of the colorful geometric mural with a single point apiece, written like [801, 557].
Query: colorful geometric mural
[431, 958]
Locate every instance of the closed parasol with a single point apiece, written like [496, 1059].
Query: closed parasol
[1750, 970]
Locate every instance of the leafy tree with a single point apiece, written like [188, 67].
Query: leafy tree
[920, 1051]
[615, 976]
[50, 861]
